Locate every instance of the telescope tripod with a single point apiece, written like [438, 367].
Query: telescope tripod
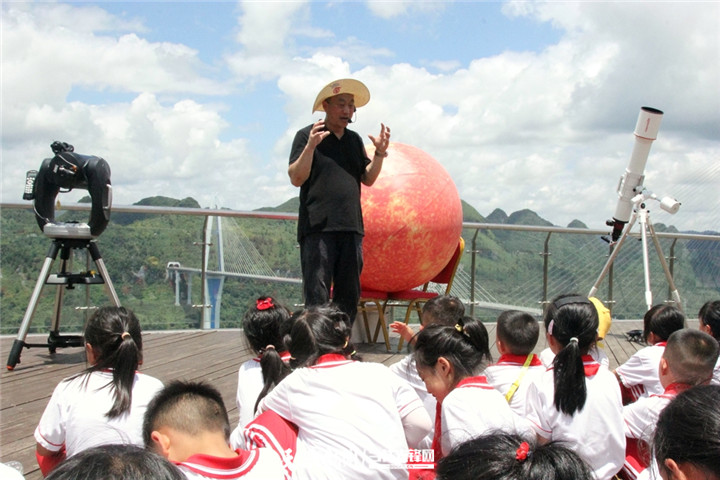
[66, 279]
[646, 226]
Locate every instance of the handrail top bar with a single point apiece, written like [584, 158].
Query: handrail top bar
[293, 216]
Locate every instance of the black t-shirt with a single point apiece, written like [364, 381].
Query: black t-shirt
[330, 197]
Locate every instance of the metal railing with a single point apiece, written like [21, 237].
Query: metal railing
[478, 233]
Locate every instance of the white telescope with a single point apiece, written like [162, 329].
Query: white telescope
[630, 184]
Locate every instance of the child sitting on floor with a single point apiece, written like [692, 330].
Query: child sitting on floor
[264, 325]
[638, 376]
[105, 403]
[450, 360]
[577, 400]
[688, 360]
[187, 423]
[355, 419]
[441, 310]
[516, 336]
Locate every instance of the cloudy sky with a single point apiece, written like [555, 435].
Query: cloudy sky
[526, 104]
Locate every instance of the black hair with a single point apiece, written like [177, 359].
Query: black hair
[709, 315]
[691, 355]
[115, 336]
[662, 320]
[265, 325]
[317, 331]
[688, 430]
[312, 332]
[519, 331]
[501, 456]
[443, 310]
[116, 462]
[188, 407]
[572, 320]
[465, 346]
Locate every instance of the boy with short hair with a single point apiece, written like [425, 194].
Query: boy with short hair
[688, 360]
[517, 334]
[187, 423]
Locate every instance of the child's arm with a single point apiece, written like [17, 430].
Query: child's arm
[404, 330]
[416, 425]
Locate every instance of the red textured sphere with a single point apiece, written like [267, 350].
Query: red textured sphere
[413, 220]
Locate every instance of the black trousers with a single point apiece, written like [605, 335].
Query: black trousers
[332, 259]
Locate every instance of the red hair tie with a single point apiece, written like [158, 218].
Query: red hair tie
[264, 304]
[521, 453]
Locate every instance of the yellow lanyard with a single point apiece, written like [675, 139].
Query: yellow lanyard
[515, 385]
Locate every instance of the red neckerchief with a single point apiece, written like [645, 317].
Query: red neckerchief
[590, 365]
[469, 382]
[437, 435]
[674, 389]
[509, 359]
[660, 344]
[479, 381]
[331, 360]
[220, 468]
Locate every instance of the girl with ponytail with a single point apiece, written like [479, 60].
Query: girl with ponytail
[105, 403]
[577, 400]
[449, 360]
[354, 419]
[264, 326]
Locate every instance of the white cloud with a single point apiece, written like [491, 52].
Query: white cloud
[548, 130]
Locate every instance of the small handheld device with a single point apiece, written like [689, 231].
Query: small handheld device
[29, 192]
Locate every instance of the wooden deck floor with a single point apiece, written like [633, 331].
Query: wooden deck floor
[212, 356]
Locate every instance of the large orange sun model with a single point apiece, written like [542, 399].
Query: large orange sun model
[413, 220]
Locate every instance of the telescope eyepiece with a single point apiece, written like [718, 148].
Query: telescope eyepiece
[59, 147]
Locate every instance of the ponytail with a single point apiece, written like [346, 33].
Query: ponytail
[115, 336]
[465, 346]
[572, 320]
[273, 368]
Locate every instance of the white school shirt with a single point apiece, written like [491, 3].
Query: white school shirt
[641, 418]
[406, 369]
[716, 374]
[250, 384]
[258, 464]
[471, 409]
[503, 374]
[75, 415]
[595, 432]
[639, 373]
[349, 417]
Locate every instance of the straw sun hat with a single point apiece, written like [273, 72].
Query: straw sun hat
[355, 88]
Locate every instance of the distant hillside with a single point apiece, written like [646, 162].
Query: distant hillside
[137, 247]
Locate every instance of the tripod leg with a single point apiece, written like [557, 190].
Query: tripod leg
[646, 260]
[673, 289]
[19, 342]
[612, 257]
[97, 258]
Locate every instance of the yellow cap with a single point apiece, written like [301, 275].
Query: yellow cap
[604, 317]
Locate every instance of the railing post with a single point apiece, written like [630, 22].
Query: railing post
[671, 267]
[205, 244]
[472, 272]
[546, 261]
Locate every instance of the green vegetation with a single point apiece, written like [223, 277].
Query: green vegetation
[136, 249]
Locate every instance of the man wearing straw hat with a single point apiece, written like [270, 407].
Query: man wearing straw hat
[328, 161]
